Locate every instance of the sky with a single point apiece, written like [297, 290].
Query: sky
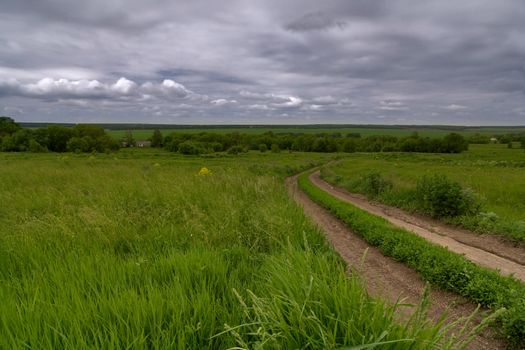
[264, 62]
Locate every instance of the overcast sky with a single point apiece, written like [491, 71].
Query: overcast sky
[264, 62]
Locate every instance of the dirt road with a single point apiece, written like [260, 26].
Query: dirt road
[385, 277]
[488, 251]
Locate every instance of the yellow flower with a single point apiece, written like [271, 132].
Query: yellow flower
[204, 171]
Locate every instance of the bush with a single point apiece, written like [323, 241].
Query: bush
[263, 147]
[275, 148]
[35, 147]
[349, 146]
[236, 150]
[374, 184]
[190, 148]
[440, 197]
[454, 143]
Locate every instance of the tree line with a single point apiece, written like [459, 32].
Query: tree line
[93, 138]
[54, 138]
[205, 142]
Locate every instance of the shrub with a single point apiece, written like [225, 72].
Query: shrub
[190, 148]
[440, 197]
[275, 148]
[35, 147]
[349, 146]
[215, 146]
[374, 184]
[263, 147]
[236, 150]
[454, 143]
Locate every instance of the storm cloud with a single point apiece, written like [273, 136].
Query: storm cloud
[299, 61]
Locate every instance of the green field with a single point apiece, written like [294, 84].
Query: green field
[494, 172]
[136, 250]
[433, 132]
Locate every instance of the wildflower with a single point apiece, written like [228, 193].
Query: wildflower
[204, 171]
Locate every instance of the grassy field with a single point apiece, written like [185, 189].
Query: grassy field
[136, 250]
[434, 132]
[495, 173]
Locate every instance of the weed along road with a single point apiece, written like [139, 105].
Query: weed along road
[477, 254]
[385, 277]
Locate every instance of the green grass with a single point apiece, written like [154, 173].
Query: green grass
[135, 250]
[436, 264]
[494, 172]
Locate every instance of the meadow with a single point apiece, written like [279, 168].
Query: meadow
[494, 173]
[136, 250]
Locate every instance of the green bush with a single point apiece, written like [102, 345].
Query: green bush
[236, 150]
[35, 147]
[263, 147]
[373, 184]
[441, 197]
[190, 148]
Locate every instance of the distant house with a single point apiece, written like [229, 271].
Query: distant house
[493, 140]
[143, 144]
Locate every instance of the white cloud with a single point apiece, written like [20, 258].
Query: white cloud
[167, 89]
[455, 107]
[258, 106]
[290, 102]
[393, 105]
[123, 88]
[222, 102]
[324, 100]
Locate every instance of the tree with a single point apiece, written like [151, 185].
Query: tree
[157, 140]
[78, 144]
[129, 141]
[36, 147]
[454, 143]
[349, 145]
[190, 148]
[58, 137]
[92, 131]
[8, 126]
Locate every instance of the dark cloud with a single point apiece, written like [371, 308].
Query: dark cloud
[300, 61]
[315, 21]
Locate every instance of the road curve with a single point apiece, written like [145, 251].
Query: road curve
[476, 254]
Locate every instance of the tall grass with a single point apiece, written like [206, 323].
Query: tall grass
[143, 253]
[503, 207]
